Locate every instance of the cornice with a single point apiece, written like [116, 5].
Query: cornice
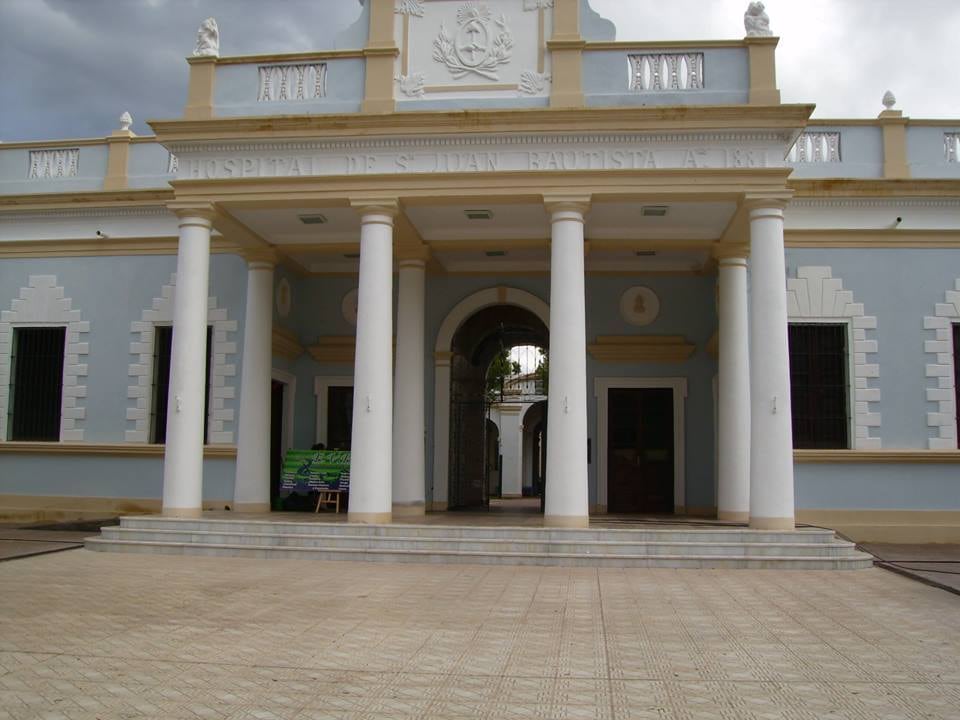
[528, 140]
[874, 188]
[430, 123]
[85, 200]
[99, 212]
[866, 202]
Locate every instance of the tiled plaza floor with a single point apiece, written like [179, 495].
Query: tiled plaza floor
[90, 635]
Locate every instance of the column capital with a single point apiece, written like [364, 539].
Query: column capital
[730, 254]
[376, 205]
[575, 203]
[412, 262]
[184, 210]
[777, 200]
[263, 257]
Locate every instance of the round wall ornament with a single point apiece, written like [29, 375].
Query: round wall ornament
[639, 306]
[349, 306]
[284, 298]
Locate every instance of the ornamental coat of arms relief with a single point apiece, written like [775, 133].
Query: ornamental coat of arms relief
[479, 45]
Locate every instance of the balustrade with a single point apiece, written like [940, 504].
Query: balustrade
[307, 81]
[663, 72]
[816, 147]
[54, 163]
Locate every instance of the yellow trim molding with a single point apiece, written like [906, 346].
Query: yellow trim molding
[641, 348]
[896, 526]
[286, 344]
[111, 449]
[92, 199]
[763, 70]
[104, 248]
[203, 77]
[289, 57]
[334, 349]
[626, 45]
[875, 188]
[884, 238]
[909, 456]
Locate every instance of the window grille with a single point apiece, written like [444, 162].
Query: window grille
[163, 343]
[36, 389]
[819, 386]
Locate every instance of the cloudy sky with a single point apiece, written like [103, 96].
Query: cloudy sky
[71, 67]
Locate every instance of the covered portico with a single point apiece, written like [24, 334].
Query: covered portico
[551, 199]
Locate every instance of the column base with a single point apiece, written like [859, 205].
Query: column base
[566, 521]
[409, 510]
[182, 512]
[733, 516]
[251, 507]
[370, 518]
[511, 496]
[758, 523]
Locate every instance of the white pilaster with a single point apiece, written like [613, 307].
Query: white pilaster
[251, 490]
[371, 445]
[771, 437]
[409, 426]
[733, 416]
[566, 502]
[511, 448]
[183, 455]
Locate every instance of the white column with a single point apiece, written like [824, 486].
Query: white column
[183, 455]
[409, 425]
[771, 437]
[251, 490]
[733, 415]
[372, 441]
[567, 501]
[511, 448]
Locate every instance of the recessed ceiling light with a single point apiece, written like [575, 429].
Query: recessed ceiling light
[478, 214]
[313, 219]
[495, 253]
[645, 253]
[351, 256]
[653, 210]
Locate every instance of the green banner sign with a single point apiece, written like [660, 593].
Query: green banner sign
[306, 471]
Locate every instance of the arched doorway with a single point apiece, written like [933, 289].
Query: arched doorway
[443, 371]
[480, 345]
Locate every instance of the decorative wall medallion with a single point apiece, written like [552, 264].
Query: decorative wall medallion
[284, 298]
[639, 306]
[349, 306]
[480, 44]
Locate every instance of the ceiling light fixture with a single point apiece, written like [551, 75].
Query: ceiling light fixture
[478, 214]
[653, 210]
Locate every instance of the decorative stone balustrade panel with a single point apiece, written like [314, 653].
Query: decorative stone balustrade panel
[173, 165]
[665, 72]
[951, 146]
[56, 163]
[816, 147]
[280, 83]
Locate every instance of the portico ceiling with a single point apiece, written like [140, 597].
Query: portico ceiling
[483, 237]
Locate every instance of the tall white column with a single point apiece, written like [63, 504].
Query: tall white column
[372, 441]
[183, 455]
[251, 490]
[771, 437]
[567, 500]
[409, 426]
[733, 416]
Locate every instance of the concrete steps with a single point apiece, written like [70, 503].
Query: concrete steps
[700, 547]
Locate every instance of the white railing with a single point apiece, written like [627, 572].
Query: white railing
[292, 82]
[951, 146]
[816, 147]
[55, 163]
[662, 72]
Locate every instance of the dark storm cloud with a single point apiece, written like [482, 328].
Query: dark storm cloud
[71, 67]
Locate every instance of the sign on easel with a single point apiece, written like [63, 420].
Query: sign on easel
[307, 471]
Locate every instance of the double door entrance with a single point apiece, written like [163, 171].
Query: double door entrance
[640, 450]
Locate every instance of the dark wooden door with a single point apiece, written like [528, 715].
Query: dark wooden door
[640, 450]
[276, 437]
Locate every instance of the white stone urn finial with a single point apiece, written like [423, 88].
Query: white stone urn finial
[889, 100]
[756, 22]
[126, 121]
[208, 39]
